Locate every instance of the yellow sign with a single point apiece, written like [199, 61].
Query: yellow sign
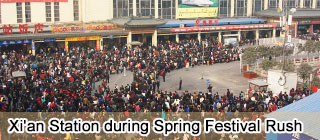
[82, 38]
[89, 27]
[197, 12]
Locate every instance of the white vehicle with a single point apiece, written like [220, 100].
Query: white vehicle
[201, 3]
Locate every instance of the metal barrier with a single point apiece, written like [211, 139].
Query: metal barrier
[279, 41]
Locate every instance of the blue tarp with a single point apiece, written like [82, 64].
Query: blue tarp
[226, 21]
[306, 110]
[15, 42]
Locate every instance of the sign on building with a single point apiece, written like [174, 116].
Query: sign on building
[15, 1]
[197, 8]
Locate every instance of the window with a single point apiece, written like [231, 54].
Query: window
[307, 3]
[241, 9]
[258, 5]
[19, 12]
[130, 7]
[223, 8]
[291, 3]
[48, 11]
[166, 9]
[318, 3]
[122, 8]
[76, 10]
[145, 7]
[273, 3]
[28, 11]
[56, 11]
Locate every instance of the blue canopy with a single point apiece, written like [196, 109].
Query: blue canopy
[225, 21]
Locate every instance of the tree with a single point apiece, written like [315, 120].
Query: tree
[268, 64]
[317, 46]
[249, 56]
[316, 81]
[288, 66]
[304, 71]
[308, 47]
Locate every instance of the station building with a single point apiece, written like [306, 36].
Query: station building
[32, 24]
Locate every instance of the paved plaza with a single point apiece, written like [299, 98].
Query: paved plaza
[222, 76]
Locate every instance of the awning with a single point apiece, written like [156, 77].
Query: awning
[258, 82]
[18, 74]
[60, 35]
[225, 21]
[137, 43]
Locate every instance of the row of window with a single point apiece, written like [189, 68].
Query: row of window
[166, 8]
[293, 3]
[56, 11]
[124, 8]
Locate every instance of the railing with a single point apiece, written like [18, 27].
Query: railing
[279, 40]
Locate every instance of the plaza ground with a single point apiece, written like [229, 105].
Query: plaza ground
[222, 76]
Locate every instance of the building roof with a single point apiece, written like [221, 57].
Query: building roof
[258, 82]
[300, 13]
[138, 22]
[225, 21]
[61, 35]
[304, 110]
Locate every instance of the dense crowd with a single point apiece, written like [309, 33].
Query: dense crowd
[59, 81]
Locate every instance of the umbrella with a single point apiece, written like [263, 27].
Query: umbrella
[18, 74]
[135, 43]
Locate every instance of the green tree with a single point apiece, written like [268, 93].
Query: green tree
[308, 47]
[316, 81]
[288, 66]
[268, 64]
[304, 71]
[317, 47]
[249, 56]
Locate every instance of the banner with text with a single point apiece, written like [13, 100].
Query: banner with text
[197, 8]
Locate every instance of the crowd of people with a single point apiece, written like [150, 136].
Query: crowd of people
[59, 81]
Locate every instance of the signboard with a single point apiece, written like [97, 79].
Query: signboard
[23, 28]
[82, 38]
[89, 27]
[197, 8]
[15, 42]
[206, 22]
[15, 1]
[217, 28]
[50, 40]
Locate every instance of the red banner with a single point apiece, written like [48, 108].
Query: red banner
[214, 28]
[15, 1]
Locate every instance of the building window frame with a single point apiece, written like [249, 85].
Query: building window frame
[48, 12]
[76, 10]
[273, 4]
[56, 11]
[19, 12]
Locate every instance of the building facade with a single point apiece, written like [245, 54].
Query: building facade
[55, 12]
[62, 11]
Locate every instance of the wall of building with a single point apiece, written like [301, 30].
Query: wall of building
[38, 11]
[66, 11]
[97, 10]
[9, 13]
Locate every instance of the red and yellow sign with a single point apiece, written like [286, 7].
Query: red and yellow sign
[15, 1]
[82, 38]
[214, 28]
[89, 27]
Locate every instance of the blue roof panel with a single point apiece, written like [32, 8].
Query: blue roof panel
[308, 104]
[306, 110]
[225, 21]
